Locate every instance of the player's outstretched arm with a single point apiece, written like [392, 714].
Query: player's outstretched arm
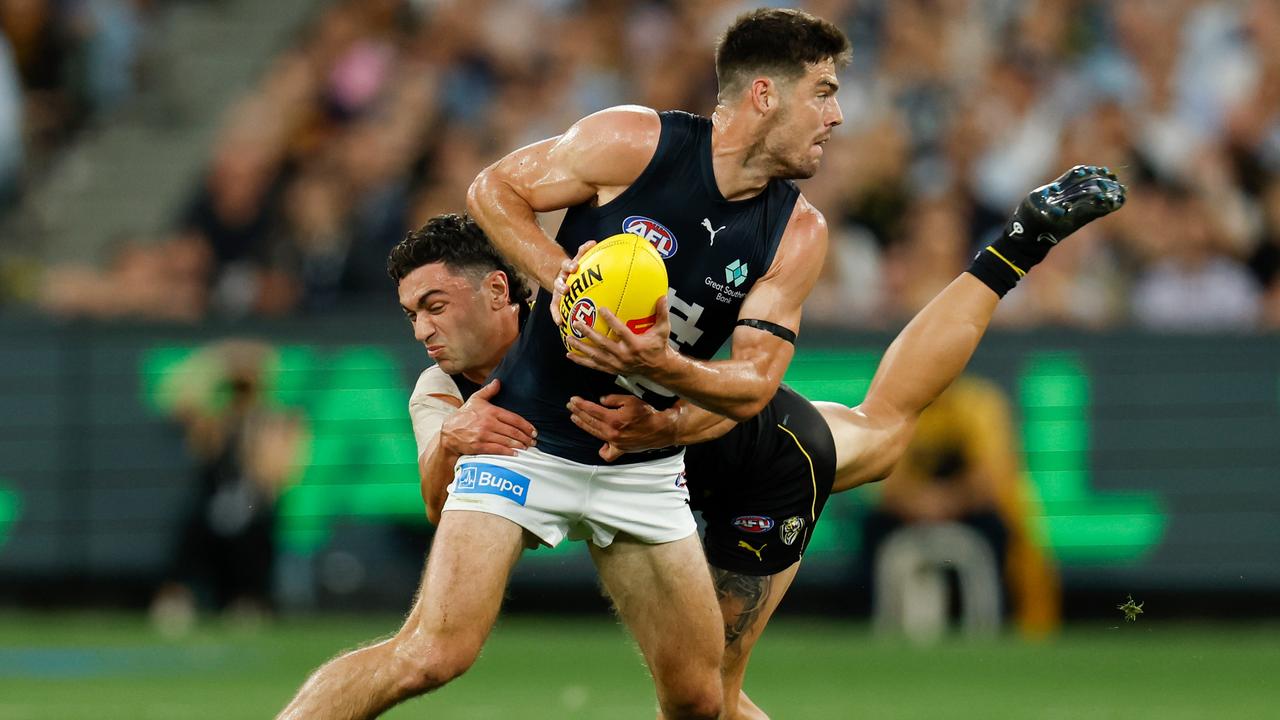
[740, 387]
[933, 349]
[596, 159]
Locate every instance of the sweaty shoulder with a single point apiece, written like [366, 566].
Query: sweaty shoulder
[804, 238]
[612, 147]
[807, 224]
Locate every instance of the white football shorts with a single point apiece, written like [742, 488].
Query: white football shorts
[554, 498]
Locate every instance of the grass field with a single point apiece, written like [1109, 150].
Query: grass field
[109, 667]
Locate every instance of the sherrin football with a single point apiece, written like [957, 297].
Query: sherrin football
[623, 273]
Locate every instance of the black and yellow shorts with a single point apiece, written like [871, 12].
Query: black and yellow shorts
[761, 488]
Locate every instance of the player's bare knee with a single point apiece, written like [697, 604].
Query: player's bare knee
[425, 666]
[691, 695]
[431, 672]
[704, 704]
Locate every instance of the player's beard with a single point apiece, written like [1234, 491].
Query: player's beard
[797, 165]
[789, 154]
[804, 168]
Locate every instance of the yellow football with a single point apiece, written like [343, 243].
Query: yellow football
[623, 273]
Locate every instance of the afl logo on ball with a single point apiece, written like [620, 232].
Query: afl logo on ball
[655, 232]
[753, 523]
[585, 311]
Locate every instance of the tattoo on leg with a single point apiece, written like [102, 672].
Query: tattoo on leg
[750, 593]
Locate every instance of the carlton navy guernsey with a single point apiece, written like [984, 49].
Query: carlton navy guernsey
[714, 249]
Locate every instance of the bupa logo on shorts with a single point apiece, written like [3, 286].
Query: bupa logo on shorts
[655, 232]
[585, 311]
[753, 523]
[485, 479]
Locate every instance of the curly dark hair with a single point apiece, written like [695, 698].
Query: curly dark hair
[777, 41]
[459, 243]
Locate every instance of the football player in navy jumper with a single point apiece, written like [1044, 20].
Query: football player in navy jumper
[747, 479]
[714, 196]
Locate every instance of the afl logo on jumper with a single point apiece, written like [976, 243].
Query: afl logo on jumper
[655, 232]
[753, 523]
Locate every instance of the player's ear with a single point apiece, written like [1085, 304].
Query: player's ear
[498, 289]
[764, 94]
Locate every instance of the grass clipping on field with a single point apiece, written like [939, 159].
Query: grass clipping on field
[1130, 609]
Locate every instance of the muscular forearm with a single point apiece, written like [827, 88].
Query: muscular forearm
[628, 424]
[695, 425]
[512, 225]
[737, 388]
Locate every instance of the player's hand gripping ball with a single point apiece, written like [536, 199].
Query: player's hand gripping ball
[623, 273]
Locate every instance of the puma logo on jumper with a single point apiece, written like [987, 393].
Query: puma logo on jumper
[706, 223]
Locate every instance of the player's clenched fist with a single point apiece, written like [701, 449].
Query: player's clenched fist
[482, 428]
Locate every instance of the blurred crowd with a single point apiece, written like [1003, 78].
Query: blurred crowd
[383, 111]
[63, 65]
